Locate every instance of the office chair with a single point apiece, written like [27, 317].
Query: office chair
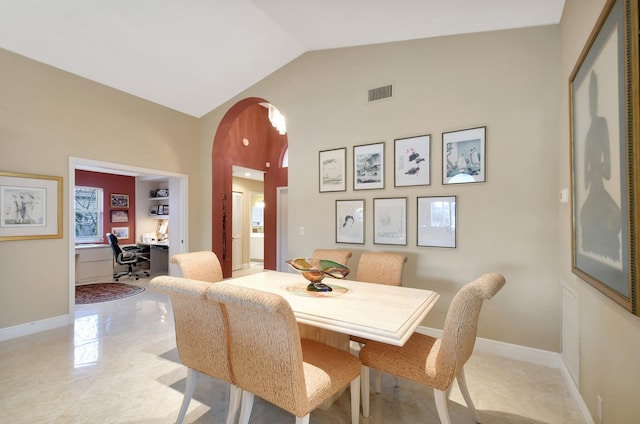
[129, 256]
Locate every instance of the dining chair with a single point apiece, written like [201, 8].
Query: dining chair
[202, 266]
[340, 256]
[431, 361]
[201, 337]
[379, 268]
[270, 360]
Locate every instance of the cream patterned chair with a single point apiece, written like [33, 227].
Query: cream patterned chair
[340, 256]
[379, 268]
[436, 362]
[201, 337]
[270, 360]
[202, 266]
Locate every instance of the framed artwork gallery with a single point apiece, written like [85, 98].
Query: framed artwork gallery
[463, 156]
[390, 221]
[368, 166]
[604, 100]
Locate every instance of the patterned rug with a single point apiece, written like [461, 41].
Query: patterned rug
[104, 292]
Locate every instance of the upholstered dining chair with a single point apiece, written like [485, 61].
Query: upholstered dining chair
[270, 360]
[379, 268]
[340, 256]
[436, 362]
[201, 337]
[202, 266]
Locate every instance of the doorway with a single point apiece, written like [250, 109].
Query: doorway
[246, 138]
[178, 212]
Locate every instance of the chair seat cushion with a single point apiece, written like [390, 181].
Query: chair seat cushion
[327, 370]
[415, 361]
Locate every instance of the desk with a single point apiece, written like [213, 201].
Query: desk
[158, 256]
[388, 314]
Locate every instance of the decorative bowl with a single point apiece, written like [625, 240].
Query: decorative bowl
[314, 270]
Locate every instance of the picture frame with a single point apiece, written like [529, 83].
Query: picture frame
[30, 206]
[332, 165]
[464, 156]
[120, 232]
[119, 215]
[368, 166]
[119, 200]
[350, 215]
[390, 221]
[412, 161]
[603, 91]
[437, 221]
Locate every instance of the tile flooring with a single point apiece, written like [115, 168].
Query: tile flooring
[118, 364]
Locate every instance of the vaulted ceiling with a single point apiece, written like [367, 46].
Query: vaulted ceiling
[193, 55]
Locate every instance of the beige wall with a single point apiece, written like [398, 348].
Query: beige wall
[609, 335]
[47, 115]
[505, 80]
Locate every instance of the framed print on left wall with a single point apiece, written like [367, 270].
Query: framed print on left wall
[30, 206]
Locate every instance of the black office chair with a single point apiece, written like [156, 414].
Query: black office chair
[130, 256]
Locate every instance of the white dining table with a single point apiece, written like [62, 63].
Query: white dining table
[388, 314]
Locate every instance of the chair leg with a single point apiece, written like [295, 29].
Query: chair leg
[234, 403]
[441, 405]
[462, 384]
[364, 389]
[355, 400]
[247, 405]
[303, 420]
[192, 377]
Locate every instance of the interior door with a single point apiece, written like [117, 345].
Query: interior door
[236, 232]
[283, 231]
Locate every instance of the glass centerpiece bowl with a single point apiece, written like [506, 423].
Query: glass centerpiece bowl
[314, 270]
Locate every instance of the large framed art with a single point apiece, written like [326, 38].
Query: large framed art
[368, 166]
[605, 155]
[390, 221]
[333, 170]
[30, 206]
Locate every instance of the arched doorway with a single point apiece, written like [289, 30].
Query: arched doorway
[246, 138]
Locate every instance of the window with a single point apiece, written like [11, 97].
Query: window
[88, 211]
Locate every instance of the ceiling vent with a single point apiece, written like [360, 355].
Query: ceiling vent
[380, 93]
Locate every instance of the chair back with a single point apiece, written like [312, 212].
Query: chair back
[340, 256]
[461, 325]
[202, 266]
[200, 326]
[381, 268]
[113, 241]
[264, 345]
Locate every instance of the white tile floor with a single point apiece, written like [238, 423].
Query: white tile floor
[118, 364]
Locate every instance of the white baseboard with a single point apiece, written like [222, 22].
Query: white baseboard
[33, 327]
[526, 354]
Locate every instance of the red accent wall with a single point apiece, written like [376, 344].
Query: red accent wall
[112, 184]
[247, 119]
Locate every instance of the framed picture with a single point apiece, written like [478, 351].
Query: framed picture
[31, 206]
[412, 161]
[333, 170]
[120, 232]
[119, 200]
[604, 165]
[390, 221]
[119, 216]
[437, 221]
[350, 221]
[368, 166]
[463, 156]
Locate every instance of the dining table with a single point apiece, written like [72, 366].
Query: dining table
[384, 313]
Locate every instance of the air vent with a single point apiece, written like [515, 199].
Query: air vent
[380, 93]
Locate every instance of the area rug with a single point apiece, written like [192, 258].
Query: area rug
[104, 292]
